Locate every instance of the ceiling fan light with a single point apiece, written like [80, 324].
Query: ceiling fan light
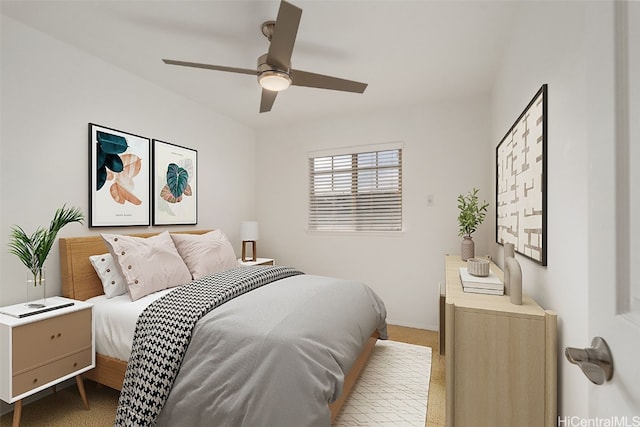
[274, 80]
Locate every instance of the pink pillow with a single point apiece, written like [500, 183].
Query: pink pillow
[205, 253]
[148, 264]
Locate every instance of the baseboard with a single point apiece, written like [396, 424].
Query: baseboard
[427, 327]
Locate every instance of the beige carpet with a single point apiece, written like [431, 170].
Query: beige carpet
[65, 409]
[397, 373]
[392, 390]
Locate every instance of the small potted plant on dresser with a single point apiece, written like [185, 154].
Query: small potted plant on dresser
[471, 215]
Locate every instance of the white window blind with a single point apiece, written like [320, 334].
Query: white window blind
[360, 191]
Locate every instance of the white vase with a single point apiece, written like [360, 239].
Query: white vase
[509, 252]
[467, 248]
[512, 266]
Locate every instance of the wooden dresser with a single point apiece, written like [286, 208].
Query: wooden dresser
[501, 358]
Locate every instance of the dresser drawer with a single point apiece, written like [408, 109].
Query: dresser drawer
[39, 376]
[37, 343]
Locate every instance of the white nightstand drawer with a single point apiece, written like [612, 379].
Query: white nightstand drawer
[52, 371]
[36, 343]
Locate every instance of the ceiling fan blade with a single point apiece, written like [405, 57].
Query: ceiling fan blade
[266, 102]
[211, 67]
[307, 79]
[284, 35]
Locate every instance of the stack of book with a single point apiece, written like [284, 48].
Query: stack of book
[490, 284]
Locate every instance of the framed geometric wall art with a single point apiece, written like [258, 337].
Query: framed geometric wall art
[119, 178]
[175, 184]
[521, 182]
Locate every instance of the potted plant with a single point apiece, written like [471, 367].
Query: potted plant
[471, 215]
[33, 250]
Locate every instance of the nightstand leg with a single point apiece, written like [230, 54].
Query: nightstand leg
[17, 413]
[83, 394]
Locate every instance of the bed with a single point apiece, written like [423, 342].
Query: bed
[348, 352]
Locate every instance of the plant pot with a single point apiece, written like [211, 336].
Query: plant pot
[467, 248]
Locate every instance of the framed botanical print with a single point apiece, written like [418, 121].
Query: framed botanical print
[175, 184]
[119, 178]
[521, 182]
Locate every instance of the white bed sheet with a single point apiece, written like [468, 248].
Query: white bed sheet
[115, 322]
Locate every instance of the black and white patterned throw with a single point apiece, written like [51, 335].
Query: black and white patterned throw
[163, 333]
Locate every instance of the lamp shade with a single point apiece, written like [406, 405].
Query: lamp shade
[249, 231]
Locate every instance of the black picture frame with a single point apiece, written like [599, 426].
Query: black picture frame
[521, 181]
[119, 178]
[175, 184]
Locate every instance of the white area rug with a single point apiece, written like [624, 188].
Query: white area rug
[392, 389]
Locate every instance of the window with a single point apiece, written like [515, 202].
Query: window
[356, 191]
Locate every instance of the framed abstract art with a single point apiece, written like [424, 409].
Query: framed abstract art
[175, 184]
[521, 182]
[119, 178]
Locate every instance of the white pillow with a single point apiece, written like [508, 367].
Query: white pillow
[148, 264]
[205, 253]
[113, 282]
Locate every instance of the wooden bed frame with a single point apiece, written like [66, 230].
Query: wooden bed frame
[80, 282]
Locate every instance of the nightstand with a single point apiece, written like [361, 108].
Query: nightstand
[258, 261]
[41, 350]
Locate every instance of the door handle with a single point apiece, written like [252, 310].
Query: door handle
[596, 361]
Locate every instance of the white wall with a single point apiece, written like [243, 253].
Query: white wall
[444, 155]
[548, 46]
[50, 92]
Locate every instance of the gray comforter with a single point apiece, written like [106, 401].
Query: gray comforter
[275, 356]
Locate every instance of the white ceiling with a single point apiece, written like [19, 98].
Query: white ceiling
[407, 51]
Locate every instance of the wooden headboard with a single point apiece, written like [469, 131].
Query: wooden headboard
[79, 279]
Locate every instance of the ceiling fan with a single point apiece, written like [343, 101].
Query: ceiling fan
[274, 70]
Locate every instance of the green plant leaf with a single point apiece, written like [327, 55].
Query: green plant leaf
[22, 246]
[107, 155]
[471, 214]
[177, 179]
[100, 156]
[112, 144]
[101, 177]
[62, 217]
[114, 162]
[33, 250]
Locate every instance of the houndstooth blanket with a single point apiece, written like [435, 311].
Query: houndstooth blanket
[163, 333]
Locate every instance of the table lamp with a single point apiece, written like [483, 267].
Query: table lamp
[249, 235]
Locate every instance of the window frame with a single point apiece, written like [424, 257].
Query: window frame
[355, 219]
